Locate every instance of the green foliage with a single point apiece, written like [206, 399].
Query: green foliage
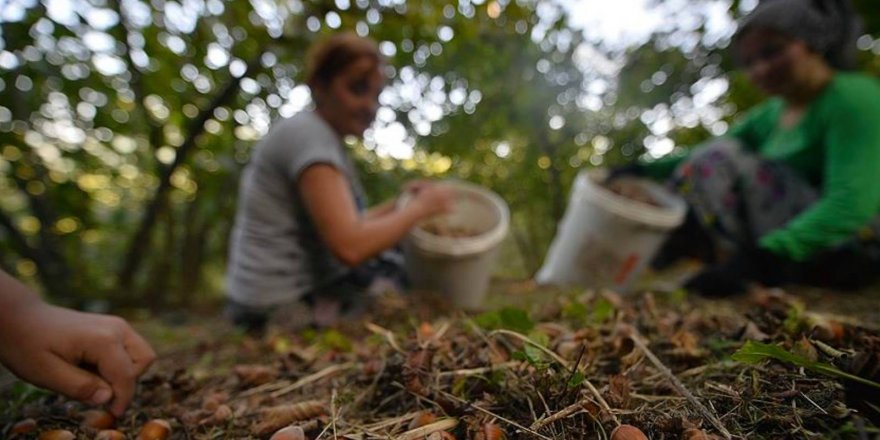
[720, 347]
[576, 379]
[532, 354]
[574, 311]
[596, 312]
[334, 340]
[794, 319]
[508, 318]
[756, 352]
[677, 296]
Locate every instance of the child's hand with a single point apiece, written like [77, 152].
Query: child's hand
[89, 357]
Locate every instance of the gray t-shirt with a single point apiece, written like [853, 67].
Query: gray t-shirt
[276, 255]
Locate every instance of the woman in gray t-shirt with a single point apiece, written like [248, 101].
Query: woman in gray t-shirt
[301, 230]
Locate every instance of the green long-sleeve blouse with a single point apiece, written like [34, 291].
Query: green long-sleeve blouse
[835, 146]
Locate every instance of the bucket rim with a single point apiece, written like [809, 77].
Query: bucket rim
[466, 246]
[668, 216]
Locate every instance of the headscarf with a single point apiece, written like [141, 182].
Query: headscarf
[830, 27]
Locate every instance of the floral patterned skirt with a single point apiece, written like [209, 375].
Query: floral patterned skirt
[738, 197]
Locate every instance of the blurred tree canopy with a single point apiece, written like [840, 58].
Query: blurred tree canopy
[124, 124]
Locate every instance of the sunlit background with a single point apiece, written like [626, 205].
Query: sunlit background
[124, 124]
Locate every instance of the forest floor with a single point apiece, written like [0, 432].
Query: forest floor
[537, 363]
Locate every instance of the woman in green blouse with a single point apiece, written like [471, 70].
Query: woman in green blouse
[795, 185]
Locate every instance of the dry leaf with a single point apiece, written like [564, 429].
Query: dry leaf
[618, 391]
[415, 370]
[371, 367]
[490, 431]
[568, 349]
[687, 344]
[425, 431]
[497, 353]
[421, 419]
[220, 416]
[804, 348]
[214, 400]
[753, 333]
[825, 329]
[254, 375]
[277, 417]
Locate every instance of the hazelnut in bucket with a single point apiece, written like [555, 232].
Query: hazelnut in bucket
[453, 254]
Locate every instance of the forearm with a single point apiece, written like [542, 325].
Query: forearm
[372, 235]
[14, 297]
[350, 236]
[381, 209]
[826, 224]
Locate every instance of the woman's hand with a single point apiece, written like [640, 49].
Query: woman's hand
[85, 356]
[351, 237]
[414, 186]
[431, 198]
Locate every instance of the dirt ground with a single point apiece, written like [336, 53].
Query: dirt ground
[536, 363]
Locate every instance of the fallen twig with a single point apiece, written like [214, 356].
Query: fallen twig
[423, 431]
[563, 413]
[373, 428]
[329, 371]
[529, 341]
[389, 336]
[814, 403]
[264, 387]
[476, 371]
[651, 399]
[436, 336]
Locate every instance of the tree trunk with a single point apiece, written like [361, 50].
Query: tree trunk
[557, 200]
[155, 295]
[191, 254]
[52, 268]
[141, 240]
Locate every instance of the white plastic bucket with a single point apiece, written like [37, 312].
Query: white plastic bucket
[604, 239]
[459, 268]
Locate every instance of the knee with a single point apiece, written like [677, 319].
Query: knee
[720, 150]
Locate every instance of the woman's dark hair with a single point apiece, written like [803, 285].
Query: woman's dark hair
[829, 27]
[330, 56]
